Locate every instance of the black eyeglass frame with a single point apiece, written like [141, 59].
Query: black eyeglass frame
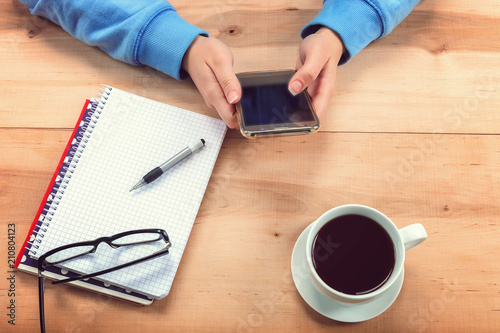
[42, 263]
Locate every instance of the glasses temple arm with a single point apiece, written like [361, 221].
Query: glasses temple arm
[41, 291]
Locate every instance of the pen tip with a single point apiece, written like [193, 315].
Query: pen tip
[139, 184]
[203, 140]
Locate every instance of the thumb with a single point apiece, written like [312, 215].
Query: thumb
[232, 89]
[306, 74]
[228, 82]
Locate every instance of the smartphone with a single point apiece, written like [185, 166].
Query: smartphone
[267, 108]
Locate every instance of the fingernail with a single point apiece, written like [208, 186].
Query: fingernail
[232, 96]
[295, 87]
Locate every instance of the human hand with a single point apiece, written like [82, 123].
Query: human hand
[209, 62]
[316, 66]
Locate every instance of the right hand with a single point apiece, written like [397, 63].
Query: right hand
[209, 62]
[319, 55]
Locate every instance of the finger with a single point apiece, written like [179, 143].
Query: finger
[298, 63]
[226, 111]
[307, 72]
[321, 100]
[212, 93]
[323, 90]
[222, 67]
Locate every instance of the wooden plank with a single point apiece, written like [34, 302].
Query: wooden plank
[260, 198]
[436, 72]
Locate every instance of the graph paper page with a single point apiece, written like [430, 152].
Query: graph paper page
[131, 136]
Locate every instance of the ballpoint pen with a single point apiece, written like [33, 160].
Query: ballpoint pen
[158, 171]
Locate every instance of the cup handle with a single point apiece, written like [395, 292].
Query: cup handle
[412, 235]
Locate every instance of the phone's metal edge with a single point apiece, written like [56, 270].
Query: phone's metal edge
[275, 132]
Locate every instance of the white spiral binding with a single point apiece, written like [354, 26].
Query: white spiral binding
[66, 172]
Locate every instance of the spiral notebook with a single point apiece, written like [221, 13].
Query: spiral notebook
[118, 139]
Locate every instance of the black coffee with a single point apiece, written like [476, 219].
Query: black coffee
[353, 254]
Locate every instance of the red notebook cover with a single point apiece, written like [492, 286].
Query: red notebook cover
[51, 184]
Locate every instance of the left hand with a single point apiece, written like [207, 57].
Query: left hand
[209, 62]
[316, 66]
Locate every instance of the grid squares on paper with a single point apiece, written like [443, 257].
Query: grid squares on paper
[134, 135]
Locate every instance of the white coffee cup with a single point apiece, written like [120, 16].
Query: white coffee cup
[402, 239]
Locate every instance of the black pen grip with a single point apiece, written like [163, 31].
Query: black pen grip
[152, 175]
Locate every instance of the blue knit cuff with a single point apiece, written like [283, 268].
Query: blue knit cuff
[356, 22]
[163, 42]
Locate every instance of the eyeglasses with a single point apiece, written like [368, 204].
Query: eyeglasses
[72, 251]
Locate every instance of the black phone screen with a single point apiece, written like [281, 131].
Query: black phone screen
[273, 104]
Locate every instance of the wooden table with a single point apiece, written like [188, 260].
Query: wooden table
[413, 131]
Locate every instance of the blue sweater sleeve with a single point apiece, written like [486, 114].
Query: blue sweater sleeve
[359, 22]
[139, 32]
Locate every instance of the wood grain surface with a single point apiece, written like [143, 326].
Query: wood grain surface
[413, 132]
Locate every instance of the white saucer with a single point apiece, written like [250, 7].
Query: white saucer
[327, 307]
